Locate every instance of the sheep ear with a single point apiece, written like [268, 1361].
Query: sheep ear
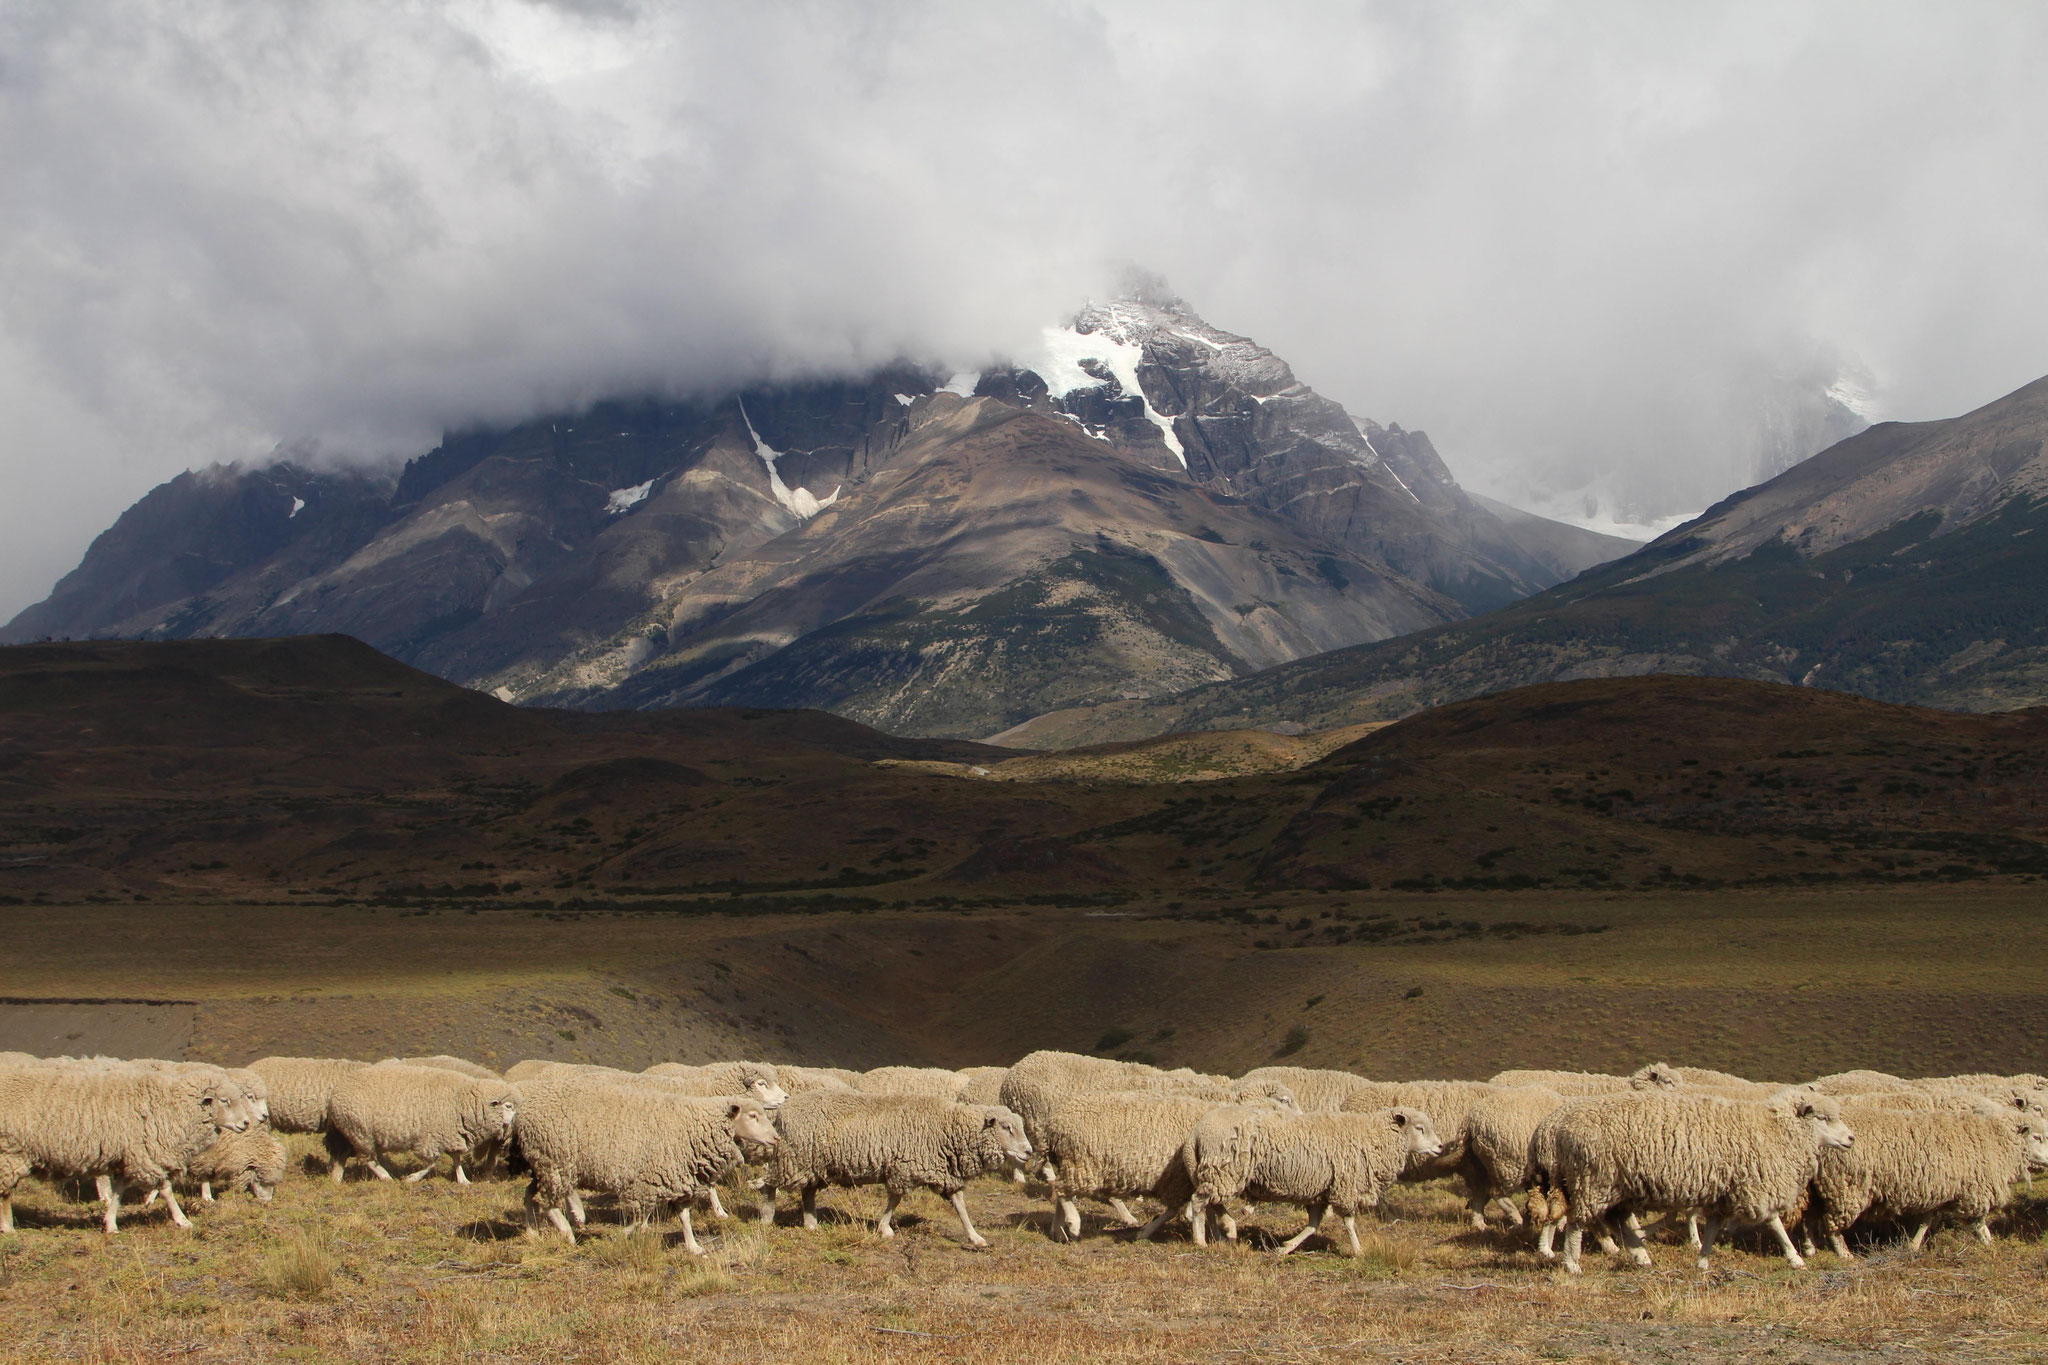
[1400, 1119]
[988, 1121]
[732, 1110]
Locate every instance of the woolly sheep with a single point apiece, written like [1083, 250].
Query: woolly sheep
[419, 1109]
[252, 1160]
[984, 1084]
[300, 1088]
[1316, 1090]
[1448, 1103]
[1747, 1161]
[127, 1124]
[914, 1080]
[1726, 1083]
[1320, 1161]
[459, 1065]
[1497, 1131]
[757, 1079]
[1917, 1165]
[802, 1080]
[1857, 1082]
[640, 1142]
[251, 1093]
[900, 1142]
[1121, 1144]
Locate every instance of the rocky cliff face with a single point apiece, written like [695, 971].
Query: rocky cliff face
[1149, 505]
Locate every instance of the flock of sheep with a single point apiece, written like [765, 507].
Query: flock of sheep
[1589, 1151]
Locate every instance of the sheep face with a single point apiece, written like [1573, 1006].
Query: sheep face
[1823, 1118]
[489, 1110]
[2034, 1141]
[1006, 1131]
[750, 1123]
[1656, 1076]
[224, 1107]
[770, 1095]
[1423, 1142]
[1270, 1090]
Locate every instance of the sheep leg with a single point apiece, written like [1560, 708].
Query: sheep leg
[1692, 1232]
[1315, 1220]
[377, 1166]
[171, 1201]
[1841, 1246]
[1708, 1232]
[561, 1223]
[1546, 1241]
[882, 1227]
[110, 1197]
[764, 1207]
[1351, 1232]
[1229, 1224]
[460, 1178]
[717, 1209]
[7, 1213]
[1507, 1208]
[1067, 1216]
[1983, 1231]
[1574, 1243]
[427, 1160]
[810, 1208]
[690, 1234]
[959, 1200]
[1920, 1233]
[1198, 1219]
[1632, 1233]
[206, 1191]
[1123, 1211]
[1777, 1226]
[1150, 1232]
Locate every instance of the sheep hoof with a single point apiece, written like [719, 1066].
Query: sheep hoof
[978, 1242]
[1705, 1263]
[1478, 1222]
[1796, 1261]
[1640, 1257]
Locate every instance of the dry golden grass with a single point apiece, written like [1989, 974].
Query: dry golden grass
[438, 1273]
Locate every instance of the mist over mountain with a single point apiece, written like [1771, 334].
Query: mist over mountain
[1591, 250]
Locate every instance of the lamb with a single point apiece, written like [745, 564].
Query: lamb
[900, 1142]
[460, 1065]
[757, 1079]
[984, 1084]
[419, 1109]
[124, 1123]
[299, 1088]
[1120, 1144]
[1749, 1161]
[1918, 1164]
[1317, 1091]
[640, 1142]
[1321, 1161]
[914, 1080]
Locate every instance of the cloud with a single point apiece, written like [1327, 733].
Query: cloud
[1582, 245]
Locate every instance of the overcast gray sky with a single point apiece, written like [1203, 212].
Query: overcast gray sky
[1581, 244]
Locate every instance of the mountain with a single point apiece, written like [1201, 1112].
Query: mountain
[1905, 563]
[1149, 505]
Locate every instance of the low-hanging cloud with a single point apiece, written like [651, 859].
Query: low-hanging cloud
[1584, 246]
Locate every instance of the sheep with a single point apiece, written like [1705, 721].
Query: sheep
[756, 1079]
[1569, 1084]
[1118, 1144]
[641, 1142]
[900, 1142]
[1446, 1102]
[1918, 1164]
[1749, 1161]
[460, 1065]
[19, 1059]
[1317, 1091]
[1497, 1131]
[802, 1080]
[914, 1080]
[984, 1084]
[137, 1125]
[1724, 1083]
[1321, 1161]
[300, 1088]
[1858, 1082]
[421, 1109]
[253, 1160]
[248, 1086]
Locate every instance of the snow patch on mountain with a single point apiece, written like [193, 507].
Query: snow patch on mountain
[298, 506]
[962, 383]
[625, 499]
[799, 502]
[1067, 350]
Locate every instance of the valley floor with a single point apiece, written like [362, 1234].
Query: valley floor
[371, 1272]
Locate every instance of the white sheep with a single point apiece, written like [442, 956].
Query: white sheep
[984, 1084]
[641, 1142]
[1498, 1128]
[1909, 1164]
[1316, 1090]
[125, 1124]
[1122, 1144]
[424, 1110]
[901, 1142]
[802, 1080]
[461, 1065]
[755, 1079]
[1448, 1104]
[299, 1088]
[1320, 1161]
[914, 1080]
[1570, 1084]
[1749, 1161]
[252, 1160]
[1842, 1083]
